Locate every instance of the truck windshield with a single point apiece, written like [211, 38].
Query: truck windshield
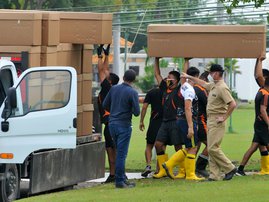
[44, 90]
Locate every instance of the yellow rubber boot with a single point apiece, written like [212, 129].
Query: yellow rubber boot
[190, 168]
[181, 171]
[175, 160]
[161, 159]
[264, 165]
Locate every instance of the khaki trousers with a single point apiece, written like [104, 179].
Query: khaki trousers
[217, 159]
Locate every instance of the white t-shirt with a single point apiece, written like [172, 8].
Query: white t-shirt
[187, 91]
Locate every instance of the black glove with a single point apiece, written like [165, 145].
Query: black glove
[106, 51]
[99, 50]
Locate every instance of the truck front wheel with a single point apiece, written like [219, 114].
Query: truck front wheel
[10, 183]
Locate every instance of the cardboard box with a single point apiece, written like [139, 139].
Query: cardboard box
[50, 28]
[84, 120]
[87, 58]
[69, 55]
[85, 28]
[87, 116]
[86, 88]
[15, 51]
[48, 56]
[206, 41]
[20, 28]
[79, 120]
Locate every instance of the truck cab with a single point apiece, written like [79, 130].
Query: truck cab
[38, 131]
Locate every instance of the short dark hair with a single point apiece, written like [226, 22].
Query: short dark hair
[176, 74]
[265, 72]
[204, 76]
[193, 71]
[129, 75]
[216, 68]
[114, 78]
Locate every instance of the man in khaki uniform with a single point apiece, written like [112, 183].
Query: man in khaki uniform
[219, 107]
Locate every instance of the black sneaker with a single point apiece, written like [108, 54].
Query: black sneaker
[230, 175]
[202, 173]
[146, 171]
[125, 184]
[240, 173]
[110, 179]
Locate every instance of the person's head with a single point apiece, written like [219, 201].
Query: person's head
[173, 79]
[216, 71]
[193, 71]
[204, 76]
[265, 73]
[129, 76]
[113, 79]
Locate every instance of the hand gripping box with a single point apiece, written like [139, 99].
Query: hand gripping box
[85, 28]
[206, 41]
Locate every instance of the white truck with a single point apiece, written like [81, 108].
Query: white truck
[38, 132]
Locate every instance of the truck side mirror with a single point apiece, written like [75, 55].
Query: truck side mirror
[10, 103]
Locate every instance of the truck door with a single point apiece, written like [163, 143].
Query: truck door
[45, 117]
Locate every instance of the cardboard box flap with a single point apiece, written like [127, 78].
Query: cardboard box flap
[20, 15]
[50, 15]
[48, 49]
[87, 46]
[86, 16]
[159, 28]
[88, 107]
[79, 109]
[19, 49]
[87, 77]
[68, 47]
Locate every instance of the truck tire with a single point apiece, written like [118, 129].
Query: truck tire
[10, 184]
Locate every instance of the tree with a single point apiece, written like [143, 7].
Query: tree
[231, 4]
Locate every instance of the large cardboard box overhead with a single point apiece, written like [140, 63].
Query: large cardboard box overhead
[85, 28]
[15, 51]
[20, 28]
[206, 41]
[50, 28]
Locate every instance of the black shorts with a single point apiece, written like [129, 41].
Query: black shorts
[183, 128]
[169, 133]
[202, 131]
[261, 134]
[108, 139]
[153, 129]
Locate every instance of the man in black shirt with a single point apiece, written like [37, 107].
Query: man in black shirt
[107, 80]
[260, 76]
[153, 98]
[202, 94]
[169, 131]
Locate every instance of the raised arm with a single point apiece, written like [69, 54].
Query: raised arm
[106, 61]
[157, 71]
[101, 73]
[195, 79]
[258, 71]
[185, 68]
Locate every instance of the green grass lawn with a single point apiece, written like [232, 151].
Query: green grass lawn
[249, 188]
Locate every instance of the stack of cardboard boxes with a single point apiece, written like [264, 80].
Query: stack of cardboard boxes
[58, 39]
